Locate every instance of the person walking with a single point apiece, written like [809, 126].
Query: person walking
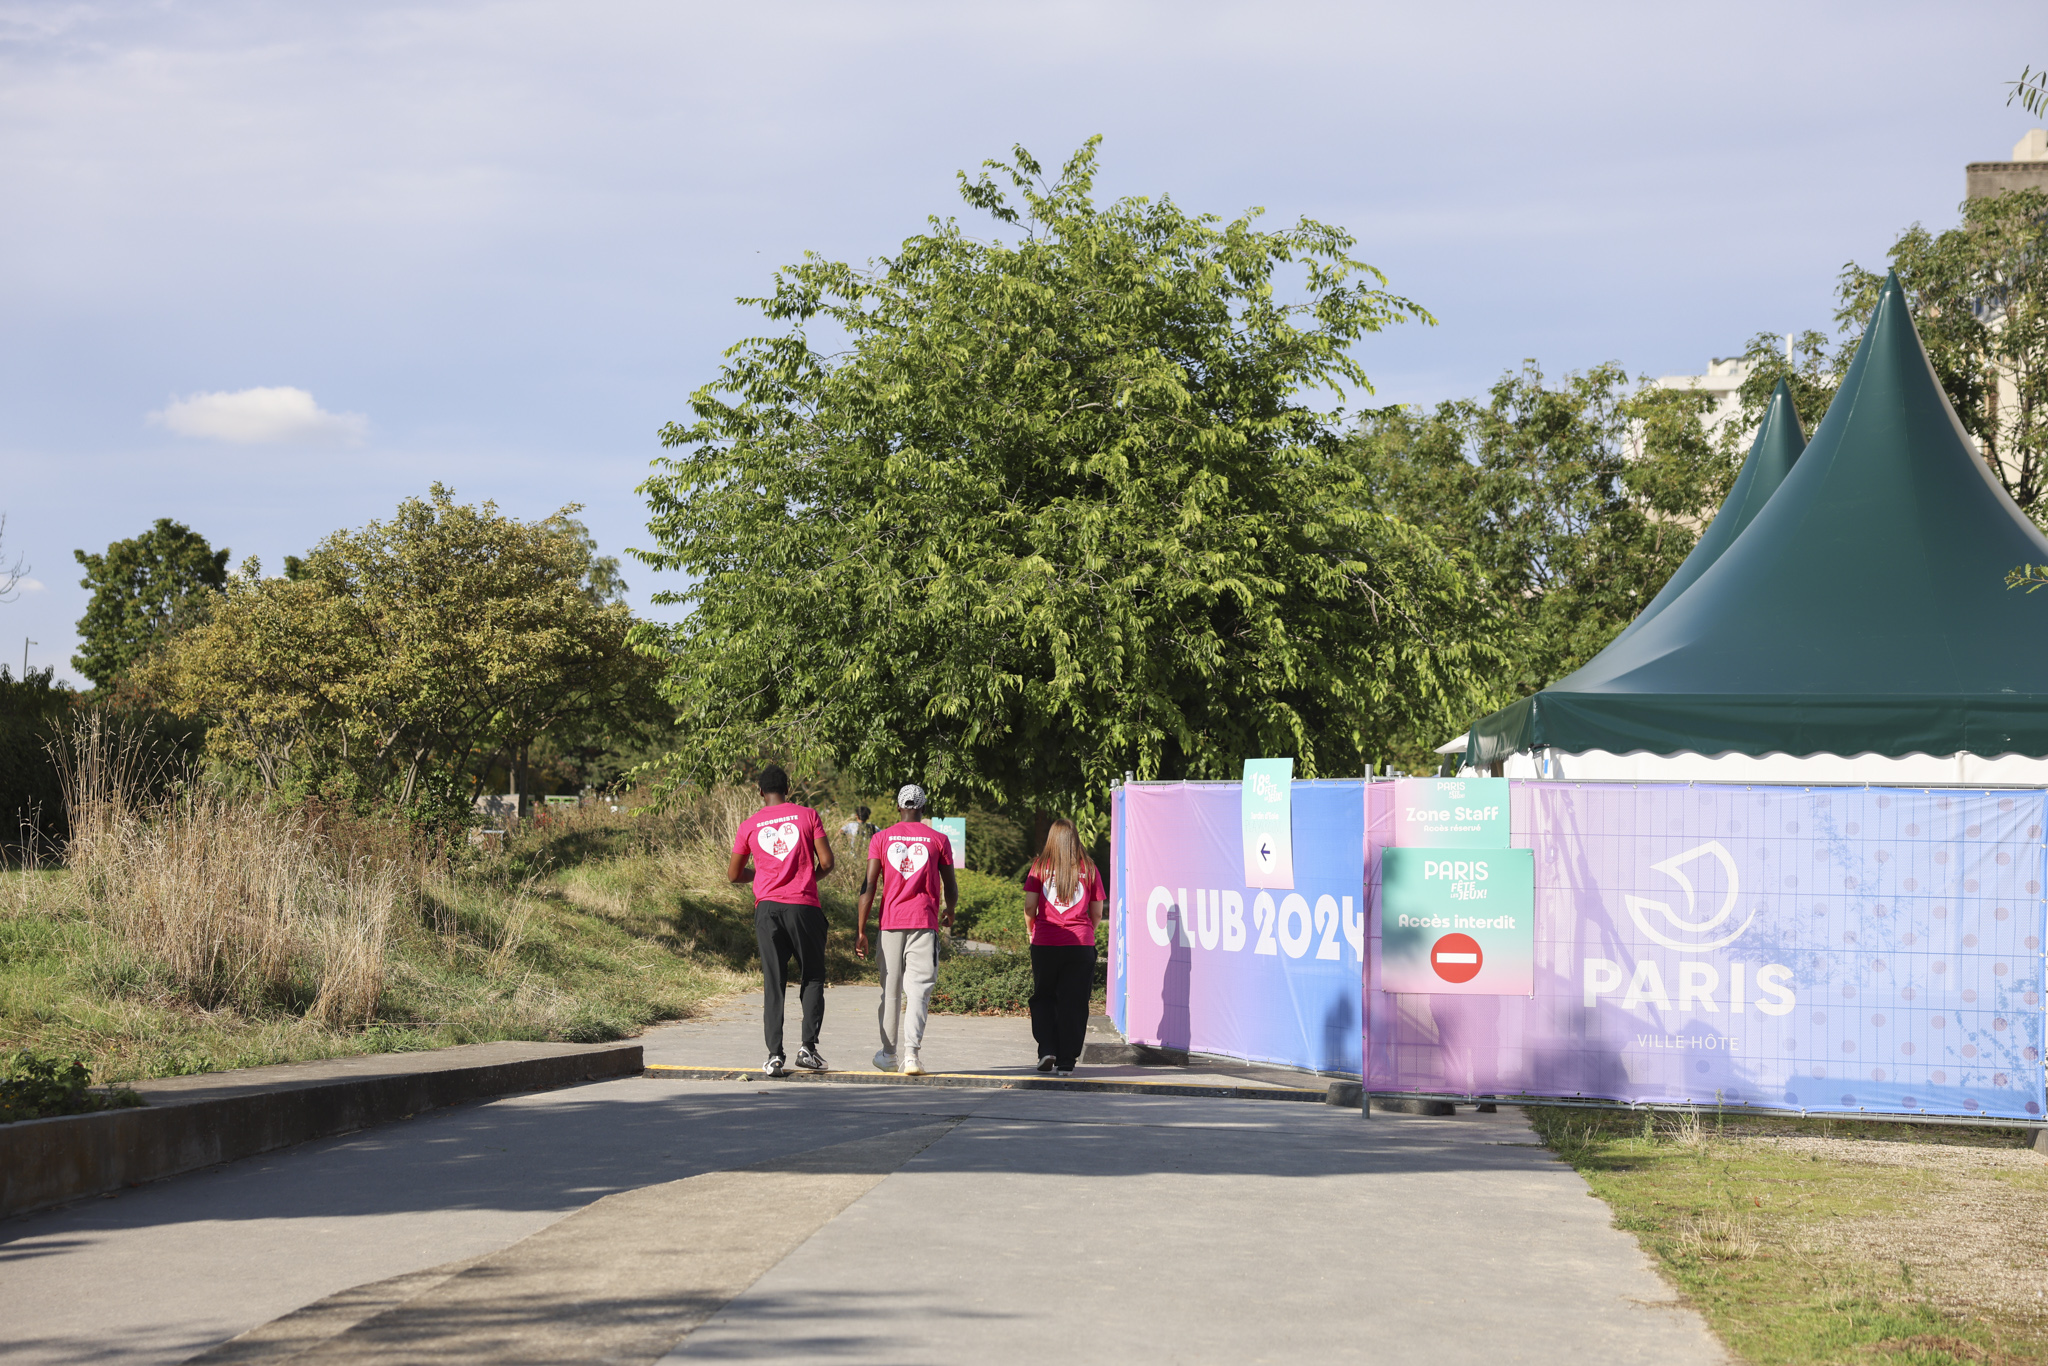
[857, 832]
[790, 851]
[909, 864]
[1065, 898]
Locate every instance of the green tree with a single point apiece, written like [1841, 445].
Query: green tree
[1979, 293]
[1575, 501]
[411, 655]
[144, 590]
[2031, 90]
[1011, 517]
[32, 709]
[1812, 370]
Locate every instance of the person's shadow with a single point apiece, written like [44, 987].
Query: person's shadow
[1175, 1025]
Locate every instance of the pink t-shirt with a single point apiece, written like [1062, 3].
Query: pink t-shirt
[912, 890]
[781, 839]
[1060, 922]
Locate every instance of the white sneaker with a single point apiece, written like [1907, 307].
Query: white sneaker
[911, 1066]
[773, 1067]
[885, 1061]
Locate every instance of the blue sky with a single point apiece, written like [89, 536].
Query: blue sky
[497, 244]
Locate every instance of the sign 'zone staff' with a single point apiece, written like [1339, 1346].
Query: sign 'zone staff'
[1457, 913]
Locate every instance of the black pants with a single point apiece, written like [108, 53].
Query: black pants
[786, 930]
[1062, 979]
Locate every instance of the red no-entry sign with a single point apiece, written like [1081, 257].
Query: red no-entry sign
[1456, 957]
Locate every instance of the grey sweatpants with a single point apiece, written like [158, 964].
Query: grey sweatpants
[910, 964]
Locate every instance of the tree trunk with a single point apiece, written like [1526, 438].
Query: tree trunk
[412, 773]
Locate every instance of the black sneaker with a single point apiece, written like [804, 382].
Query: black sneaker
[1045, 1063]
[773, 1067]
[808, 1059]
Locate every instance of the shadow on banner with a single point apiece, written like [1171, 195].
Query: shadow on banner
[1213, 966]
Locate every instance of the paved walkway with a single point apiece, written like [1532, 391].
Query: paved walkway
[634, 1219]
[728, 1035]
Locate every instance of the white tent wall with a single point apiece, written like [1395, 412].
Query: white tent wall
[1908, 770]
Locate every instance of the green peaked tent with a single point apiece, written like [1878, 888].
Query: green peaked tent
[1863, 610]
[1779, 440]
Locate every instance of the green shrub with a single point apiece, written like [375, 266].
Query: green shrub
[36, 1087]
[983, 984]
[991, 910]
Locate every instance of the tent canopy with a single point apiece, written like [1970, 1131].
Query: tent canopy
[1779, 440]
[1863, 609]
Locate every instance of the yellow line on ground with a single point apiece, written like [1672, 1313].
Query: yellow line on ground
[989, 1076]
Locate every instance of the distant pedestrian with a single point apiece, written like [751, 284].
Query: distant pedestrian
[909, 864]
[1065, 899]
[789, 850]
[857, 832]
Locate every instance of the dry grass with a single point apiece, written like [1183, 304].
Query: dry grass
[1718, 1235]
[236, 904]
[1833, 1241]
[193, 933]
[1971, 1223]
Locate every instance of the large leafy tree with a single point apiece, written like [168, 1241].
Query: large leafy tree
[144, 589]
[1979, 293]
[1012, 517]
[431, 648]
[1575, 500]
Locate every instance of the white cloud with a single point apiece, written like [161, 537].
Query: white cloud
[259, 417]
[29, 585]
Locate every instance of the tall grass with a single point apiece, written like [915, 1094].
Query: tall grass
[233, 904]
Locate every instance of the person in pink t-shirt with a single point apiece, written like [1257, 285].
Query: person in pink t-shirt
[910, 864]
[789, 850]
[1065, 898]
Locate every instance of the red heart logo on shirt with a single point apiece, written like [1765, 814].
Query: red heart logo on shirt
[777, 841]
[906, 858]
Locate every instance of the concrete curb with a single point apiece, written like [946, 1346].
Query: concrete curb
[1350, 1095]
[194, 1122]
[991, 1081]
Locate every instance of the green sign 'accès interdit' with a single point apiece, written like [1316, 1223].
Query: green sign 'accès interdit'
[1457, 905]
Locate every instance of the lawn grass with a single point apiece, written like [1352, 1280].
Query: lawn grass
[1831, 1241]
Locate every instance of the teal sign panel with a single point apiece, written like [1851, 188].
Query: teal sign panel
[1458, 922]
[954, 828]
[1268, 823]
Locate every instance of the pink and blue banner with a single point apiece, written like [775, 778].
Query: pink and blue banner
[1823, 949]
[1215, 966]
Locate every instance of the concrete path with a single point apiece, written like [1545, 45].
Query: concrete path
[728, 1034]
[626, 1220]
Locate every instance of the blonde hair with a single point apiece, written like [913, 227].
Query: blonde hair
[1062, 860]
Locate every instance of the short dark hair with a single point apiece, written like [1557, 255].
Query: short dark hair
[861, 811]
[773, 780]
